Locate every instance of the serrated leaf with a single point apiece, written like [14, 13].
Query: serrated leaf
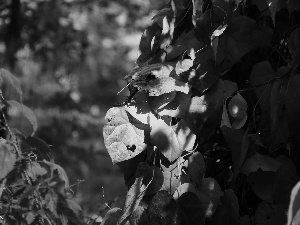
[124, 139]
[294, 205]
[12, 80]
[74, 206]
[259, 161]
[51, 202]
[34, 170]
[172, 140]
[28, 113]
[7, 158]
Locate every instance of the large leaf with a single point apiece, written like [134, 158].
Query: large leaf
[124, 136]
[7, 158]
[294, 206]
[28, 113]
[172, 140]
[259, 161]
[241, 36]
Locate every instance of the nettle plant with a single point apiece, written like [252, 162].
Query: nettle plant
[33, 189]
[210, 133]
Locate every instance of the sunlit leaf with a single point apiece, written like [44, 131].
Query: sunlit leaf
[112, 216]
[172, 140]
[34, 170]
[123, 139]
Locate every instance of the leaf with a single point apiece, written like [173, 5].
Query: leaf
[30, 217]
[173, 104]
[112, 216]
[184, 188]
[227, 212]
[12, 80]
[123, 139]
[139, 217]
[74, 206]
[215, 38]
[239, 144]
[28, 113]
[34, 170]
[209, 195]
[293, 5]
[237, 106]
[196, 168]
[51, 199]
[258, 161]
[61, 172]
[294, 205]
[262, 183]
[294, 41]
[172, 140]
[230, 88]
[172, 178]
[205, 111]
[38, 146]
[154, 180]
[162, 208]
[270, 215]
[285, 179]
[135, 194]
[197, 11]
[190, 210]
[7, 158]
[241, 36]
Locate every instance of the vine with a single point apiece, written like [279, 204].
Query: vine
[210, 131]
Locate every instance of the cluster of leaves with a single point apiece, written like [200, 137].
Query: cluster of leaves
[33, 189]
[210, 132]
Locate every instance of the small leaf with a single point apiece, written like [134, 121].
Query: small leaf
[61, 172]
[258, 161]
[7, 158]
[28, 113]
[237, 106]
[12, 80]
[294, 206]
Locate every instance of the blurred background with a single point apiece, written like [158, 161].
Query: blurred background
[71, 56]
